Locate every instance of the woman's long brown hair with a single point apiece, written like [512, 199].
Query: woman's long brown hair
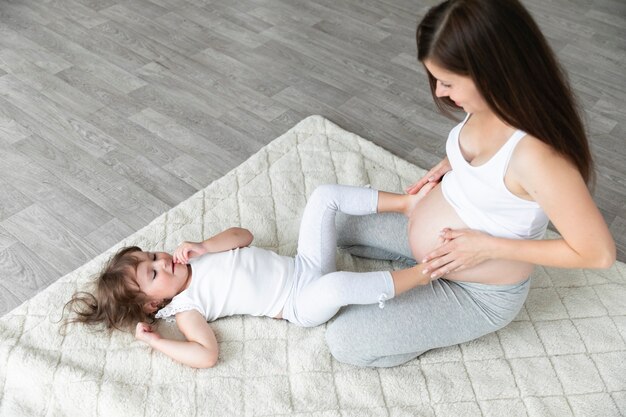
[115, 301]
[500, 47]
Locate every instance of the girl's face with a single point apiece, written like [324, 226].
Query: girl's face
[459, 88]
[159, 277]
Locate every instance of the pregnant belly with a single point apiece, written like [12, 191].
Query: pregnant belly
[432, 214]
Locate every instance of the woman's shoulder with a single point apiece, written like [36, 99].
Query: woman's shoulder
[531, 151]
[534, 160]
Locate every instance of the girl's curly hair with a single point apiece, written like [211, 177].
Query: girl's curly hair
[116, 300]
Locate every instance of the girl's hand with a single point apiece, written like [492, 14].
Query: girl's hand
[187, 250]
[146, 333]
[460, 249]
[433, 176]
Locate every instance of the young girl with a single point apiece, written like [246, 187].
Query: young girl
[222, 276]
[518, 159]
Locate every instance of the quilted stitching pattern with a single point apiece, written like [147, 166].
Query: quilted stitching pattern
[564, 355]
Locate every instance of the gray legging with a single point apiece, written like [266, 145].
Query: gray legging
[318, 291]
[440, 314]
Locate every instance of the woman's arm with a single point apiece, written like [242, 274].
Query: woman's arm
[199, 351]
[557, 186]
[235, 237]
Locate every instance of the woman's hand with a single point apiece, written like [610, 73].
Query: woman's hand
[187, 250]
[146, 333]
[433, 176]
[460, 249]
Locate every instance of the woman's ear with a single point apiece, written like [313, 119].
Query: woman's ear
[152, 306]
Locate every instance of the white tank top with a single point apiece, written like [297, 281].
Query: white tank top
[248, 280]
[480, 197]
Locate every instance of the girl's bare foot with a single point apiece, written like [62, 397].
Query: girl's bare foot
[413, 199]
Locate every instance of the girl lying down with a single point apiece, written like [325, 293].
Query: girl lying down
[223, 276]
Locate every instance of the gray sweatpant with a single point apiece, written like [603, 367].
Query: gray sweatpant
[440, 314]
[318, 292]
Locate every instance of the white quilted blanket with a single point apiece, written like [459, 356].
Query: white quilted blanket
[563, 356]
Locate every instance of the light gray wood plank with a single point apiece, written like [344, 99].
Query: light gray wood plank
[153, 179]
[276, 14]
[93, 179]
[77, 55]
[353, 10]
[148, 9]
[194, 172]
[213, 22]
[280, 62]
[10, 130]
[101, 91]
[24, 274]
[36, 229]
[46, 118]
[18, 11]
[150, 28]
[71, 208]
[135, 138]
[288, 119]
[48, 85]
[217, 62]
[6, 239]
[306, 105]
[618, 230]
[242, 20]
[97, 4]
[181, 93]
[176, 138]
[70, 9]
[213, 95]
[32, 51]
[249, 124]
[12, 201]
[129, 38]
[310, 45]
[111, 51]
[172, 102]
[108, 234]
[393, 125]
[351, 30]
[294, 67]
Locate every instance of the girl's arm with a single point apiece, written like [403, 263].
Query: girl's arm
[557, 186]
[235, 237]
[199, 351]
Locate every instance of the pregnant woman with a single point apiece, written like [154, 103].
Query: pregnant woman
[519, 159]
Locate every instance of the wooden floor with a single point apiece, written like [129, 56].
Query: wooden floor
[113, 111]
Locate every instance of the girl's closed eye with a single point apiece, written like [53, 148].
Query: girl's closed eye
[154, 273]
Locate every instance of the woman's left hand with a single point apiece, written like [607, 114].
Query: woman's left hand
[460, 249]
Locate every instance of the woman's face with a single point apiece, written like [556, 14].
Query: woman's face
[459, 88]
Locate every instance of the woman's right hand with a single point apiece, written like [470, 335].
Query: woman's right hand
[187, 250]
[433, 176]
